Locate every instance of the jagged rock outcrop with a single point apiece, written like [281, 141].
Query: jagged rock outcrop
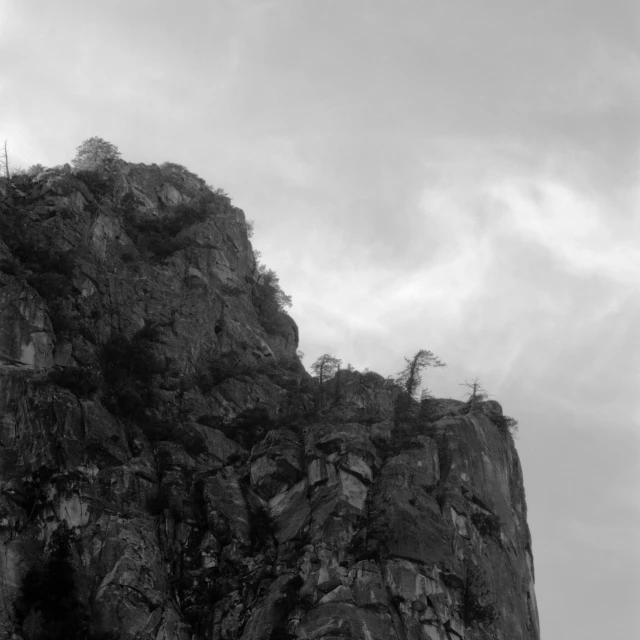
[156, 419]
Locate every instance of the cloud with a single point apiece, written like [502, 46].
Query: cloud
[572, 227]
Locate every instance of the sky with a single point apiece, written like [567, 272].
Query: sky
[461, 177]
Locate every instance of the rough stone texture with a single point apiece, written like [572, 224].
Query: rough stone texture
[242, 501]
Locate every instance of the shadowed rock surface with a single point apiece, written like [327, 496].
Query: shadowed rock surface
[159, 433]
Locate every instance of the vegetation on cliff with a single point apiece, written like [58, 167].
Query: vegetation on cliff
[167, 458]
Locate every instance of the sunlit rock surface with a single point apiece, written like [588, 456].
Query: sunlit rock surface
[216, 492]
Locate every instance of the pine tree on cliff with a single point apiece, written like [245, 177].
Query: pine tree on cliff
[326, 367]
[410, 378]
[476, 393]
[95, 153]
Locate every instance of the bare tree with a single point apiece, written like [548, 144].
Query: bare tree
[4, 162]
[476, 393]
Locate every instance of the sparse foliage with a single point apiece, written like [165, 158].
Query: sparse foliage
[410, 377]
[476, 393]
[269, 299]
[505, 424]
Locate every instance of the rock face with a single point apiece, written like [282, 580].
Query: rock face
[162, 444]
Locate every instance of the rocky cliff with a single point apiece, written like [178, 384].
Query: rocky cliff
[168, 469]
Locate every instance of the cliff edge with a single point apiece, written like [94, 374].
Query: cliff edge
[169, 470]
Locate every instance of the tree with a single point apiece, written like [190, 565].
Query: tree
[35, 169]
[269, 299]
[325, 367]
[269, 282]
[410, 377]
[4, 162]
[476, 393]
[95, 153]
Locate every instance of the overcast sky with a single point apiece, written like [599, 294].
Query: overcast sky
[456, 176]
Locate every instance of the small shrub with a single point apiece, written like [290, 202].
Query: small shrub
[80, 381]
[22, 181]
[478, 604]
[401, 439]
[249, 427]
[129, 203]
[223, 365]
[487, 524]
[180, 168]
[231, 290]
[51, 286]
[158, 237]
[276, 325]
[99, 183]
[429, 407]
[506, 425]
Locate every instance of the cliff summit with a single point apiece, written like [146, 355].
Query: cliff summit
[170, 471]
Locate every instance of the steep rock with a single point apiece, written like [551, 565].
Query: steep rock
[154, 419]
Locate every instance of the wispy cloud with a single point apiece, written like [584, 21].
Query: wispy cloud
[575, 228]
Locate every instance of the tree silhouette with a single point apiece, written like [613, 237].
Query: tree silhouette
[476, 393]
[325, 367]
[4, 163]
[410, 377]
